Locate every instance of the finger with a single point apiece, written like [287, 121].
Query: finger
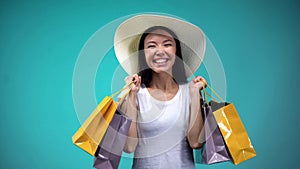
[202, 79]
[139, 80]
[134, 78]
[199, 84]
[197, 79]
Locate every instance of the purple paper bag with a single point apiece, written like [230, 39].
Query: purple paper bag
[109, 151]
[215, 149]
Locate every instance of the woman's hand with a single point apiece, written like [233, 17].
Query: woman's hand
[136, 82]
[197, 84]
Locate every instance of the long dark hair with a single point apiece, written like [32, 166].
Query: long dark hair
[178, 70]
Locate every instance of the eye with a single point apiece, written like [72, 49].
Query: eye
[168, 44]
[151, 46]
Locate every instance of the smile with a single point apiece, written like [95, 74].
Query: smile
[160, 61]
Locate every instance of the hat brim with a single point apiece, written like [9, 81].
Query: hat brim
[127, 36]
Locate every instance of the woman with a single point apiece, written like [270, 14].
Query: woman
[164, 107]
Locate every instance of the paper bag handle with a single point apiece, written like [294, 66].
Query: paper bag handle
[125, 87]
[214, 92]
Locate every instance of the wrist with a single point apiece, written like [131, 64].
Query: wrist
[196, 95]
[132, 94]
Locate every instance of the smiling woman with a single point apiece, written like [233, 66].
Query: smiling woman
[165, 109]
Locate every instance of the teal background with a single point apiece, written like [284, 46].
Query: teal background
[257, 41]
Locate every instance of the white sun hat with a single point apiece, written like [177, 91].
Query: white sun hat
[128, 34]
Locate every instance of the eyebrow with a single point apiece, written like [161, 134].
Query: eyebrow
[168, 40]
[151, 42]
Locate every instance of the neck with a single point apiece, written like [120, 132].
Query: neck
[162, 81]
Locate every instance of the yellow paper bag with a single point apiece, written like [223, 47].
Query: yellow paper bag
[234, 134]
[232, 129]
[90, 134]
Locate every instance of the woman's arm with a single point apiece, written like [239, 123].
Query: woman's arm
[130, 108]
[196, 130]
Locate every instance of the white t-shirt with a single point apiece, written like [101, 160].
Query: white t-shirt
[162, 128]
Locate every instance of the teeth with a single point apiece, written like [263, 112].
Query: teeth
[160, 60]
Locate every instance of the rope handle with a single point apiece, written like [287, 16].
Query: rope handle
[125, 87]
[213, 91]
[123, 97]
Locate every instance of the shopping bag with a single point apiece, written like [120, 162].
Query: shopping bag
[90, 134]
[234, 133]
[232, 129]
[109, 152]
[214, 150]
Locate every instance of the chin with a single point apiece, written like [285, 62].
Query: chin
[162, 71]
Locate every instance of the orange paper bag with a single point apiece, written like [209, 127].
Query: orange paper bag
[92, 131]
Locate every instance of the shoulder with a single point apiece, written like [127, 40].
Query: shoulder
[184, 86]
[143, 92]
[185, 94]
[185, 89]
[143, 89]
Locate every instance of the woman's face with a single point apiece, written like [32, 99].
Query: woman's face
[160, 51]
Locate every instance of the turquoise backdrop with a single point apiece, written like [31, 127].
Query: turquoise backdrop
[257, 42]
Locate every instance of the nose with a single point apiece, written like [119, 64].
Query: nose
[160, 51]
